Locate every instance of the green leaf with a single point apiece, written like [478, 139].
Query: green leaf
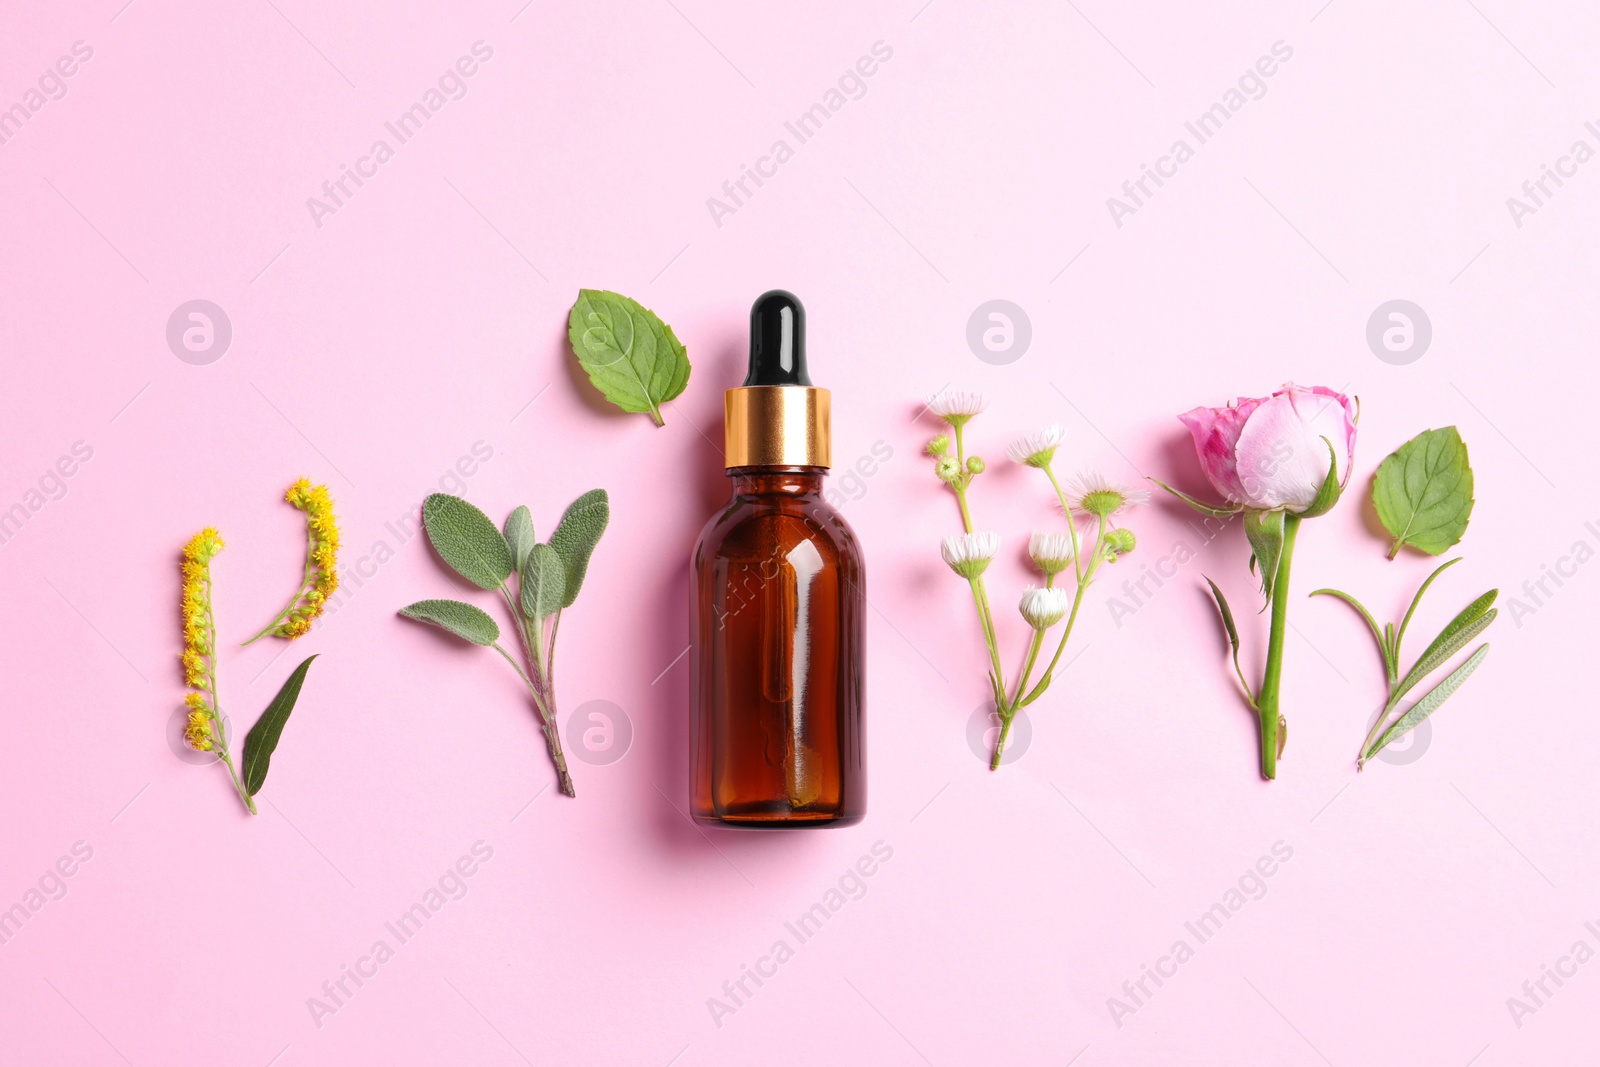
[1372, 624]
[262, 739]
[1214, 510]
[519, 536]
[629, 353]
[576, 535]
[1264, 530]
[1331, 490]
[1233, 637]
[466, 540]
[543, 581]
[1472, 621]
[1412, 610]
[1430, 703]
[463, 620]
[1423, 492]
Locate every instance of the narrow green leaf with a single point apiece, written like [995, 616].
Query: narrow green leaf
[576, 535]
[1264, 530]
[628, 352]
[1214, 510]
[519, 536]
[543, 581]
[466, 540]
[463, 620]
[1412, 610]
[1372, 624]
[1423, 492]
[262, 739]
[1233, 637]
[1430, 702]
[1452, 640]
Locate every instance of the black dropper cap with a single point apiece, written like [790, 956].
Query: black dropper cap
[777, 340]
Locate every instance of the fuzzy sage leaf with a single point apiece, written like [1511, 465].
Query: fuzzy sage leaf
[262, 739]
[467, 540]
[463, 620]
[543, 582]
[1423, 492]
[628, 352]
[519, 536]
[576, 535]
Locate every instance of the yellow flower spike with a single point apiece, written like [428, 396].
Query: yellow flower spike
[322, 562]
[198, 731]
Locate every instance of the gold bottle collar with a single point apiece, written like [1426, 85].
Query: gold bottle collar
[777, 426]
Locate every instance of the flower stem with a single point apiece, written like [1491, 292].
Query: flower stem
[294, 601]
[1272, 677]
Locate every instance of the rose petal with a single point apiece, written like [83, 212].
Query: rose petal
[1281, 462]
[1216, 437]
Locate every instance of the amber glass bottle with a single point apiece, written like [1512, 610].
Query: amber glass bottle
[777, 603]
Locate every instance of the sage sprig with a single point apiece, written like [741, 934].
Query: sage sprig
[548, 575]
[1471, 621]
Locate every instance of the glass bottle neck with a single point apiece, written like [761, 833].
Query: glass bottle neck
[777, 481]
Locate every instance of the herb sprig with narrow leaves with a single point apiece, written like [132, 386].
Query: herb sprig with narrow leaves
[628, 352]
[548, 578]
[1471, 621]
[204, 730]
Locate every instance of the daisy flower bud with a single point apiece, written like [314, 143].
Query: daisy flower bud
[1043, 608]
[947, 469]
[969, 554]
[956, 406]
[975, 464]
[1119, 542]
[1050, 552]
[1038, 448]
[938, 446]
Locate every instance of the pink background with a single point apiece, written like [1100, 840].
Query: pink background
[427, 316]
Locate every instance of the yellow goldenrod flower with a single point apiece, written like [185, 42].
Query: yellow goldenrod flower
[322, 563]
[198, 732]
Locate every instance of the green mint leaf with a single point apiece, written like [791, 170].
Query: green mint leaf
[630, 355]
[544, 579]
[466, 540]
[576, 535]
[1430, 703]
[463, 620]
[263, 737]
[1423, 492]
[1264, 530]
[1214, 510]
[519, 536]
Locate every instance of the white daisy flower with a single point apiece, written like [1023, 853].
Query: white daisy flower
[969, 554]
[1095, 494]
[1038, 448]
[1050, 552]
[956, 406]
[1043, 608]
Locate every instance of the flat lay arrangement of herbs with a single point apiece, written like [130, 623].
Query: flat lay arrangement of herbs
[549, 575]
[1071, 556]
[1276, 460]
[1423, 495]
[628, 352]
[205, 730]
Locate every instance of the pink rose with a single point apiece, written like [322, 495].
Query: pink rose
[1269, 453]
